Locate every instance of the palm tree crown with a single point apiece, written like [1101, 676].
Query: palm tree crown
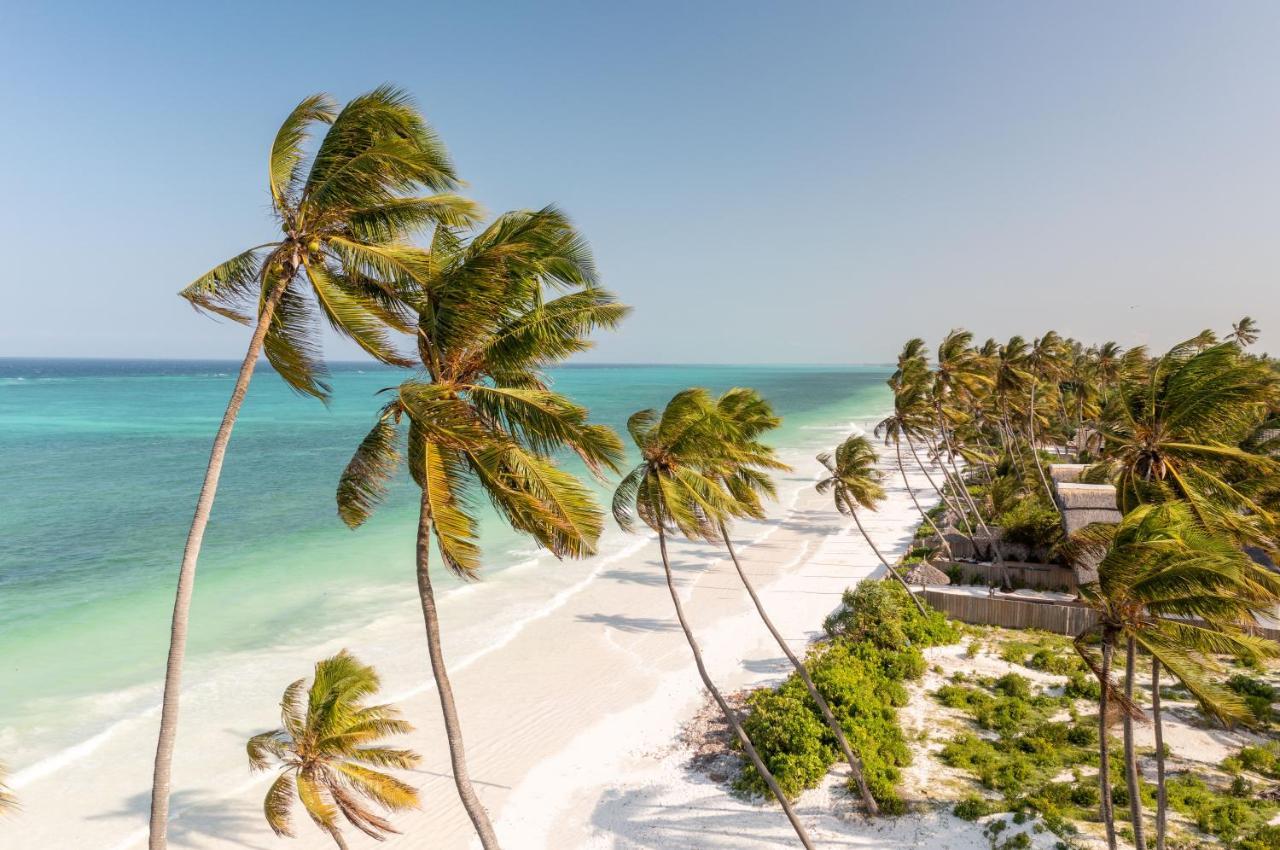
[329, 754]
[344, 215]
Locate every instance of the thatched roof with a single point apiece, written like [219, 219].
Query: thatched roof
[1083, 504]
[926, 573]
[1061, 473]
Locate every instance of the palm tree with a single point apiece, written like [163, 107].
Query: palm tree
[745, 475]
[8, 802]
[854, 481]
[482, 417]
[1244, 332]
[1169, 586]
[906, 417]
[1176, 433]
[1042, 364]
[678, 488]
[329, 753]
[958, 378]
[344, 214]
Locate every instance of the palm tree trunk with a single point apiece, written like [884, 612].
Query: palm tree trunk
[996, 552]
[1162, 796]
[848, 503]
[967, 531]
[162, 775]
[724, 706]
[452, 727]
[1035, 455]
[897, 448]
[1104, 746]
[855, 763]
[1130, 758]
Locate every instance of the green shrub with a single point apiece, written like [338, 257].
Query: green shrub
[1013, 685]
[1083, 686]
[1032, 523]
[971, 808]
[882, 613]
[791, 741]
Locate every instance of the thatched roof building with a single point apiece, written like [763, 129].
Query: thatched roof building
[1082, 505]
[925, 573]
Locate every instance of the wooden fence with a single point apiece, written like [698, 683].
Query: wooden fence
[1062, 618]
[1040, 576]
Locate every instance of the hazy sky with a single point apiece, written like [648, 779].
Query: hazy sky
[800, 182]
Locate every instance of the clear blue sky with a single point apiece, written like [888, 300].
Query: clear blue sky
[800, 182]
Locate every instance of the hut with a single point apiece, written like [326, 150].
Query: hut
[925, 573]
[1082, 505]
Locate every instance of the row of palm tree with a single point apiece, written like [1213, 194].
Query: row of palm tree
[479, 316]
[1188, 439]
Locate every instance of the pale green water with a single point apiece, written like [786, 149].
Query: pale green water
[99, 466]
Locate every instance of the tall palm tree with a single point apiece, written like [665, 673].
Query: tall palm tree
[854, 481]
[906, 417]
[1169, 586]
[482, 418]
[1176, 433]
[745, 476]
[1244, 332]
[1042, 364]
[677, 488]
[329, 753]
[958, 377]
[344, 215]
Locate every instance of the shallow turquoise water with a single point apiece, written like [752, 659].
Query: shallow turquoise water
[100, 462]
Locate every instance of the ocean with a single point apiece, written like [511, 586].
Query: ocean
[100, 462]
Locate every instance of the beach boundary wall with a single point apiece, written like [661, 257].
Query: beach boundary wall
[1063, 618]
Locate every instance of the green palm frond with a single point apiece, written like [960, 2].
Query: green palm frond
[329, 754]
[287, 156]
[363, 484]
[291, 348]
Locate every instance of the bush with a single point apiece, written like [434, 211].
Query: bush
[882, 613]
[1083, 686]
[862, 681]
[791, 742]
[972, 808]
[1031, 523]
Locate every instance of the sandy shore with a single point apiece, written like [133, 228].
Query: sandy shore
[569, 718]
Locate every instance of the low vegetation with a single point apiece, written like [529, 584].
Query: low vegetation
[873, 648]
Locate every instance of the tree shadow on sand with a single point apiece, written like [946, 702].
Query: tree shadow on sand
[633, 625]
[199, 814]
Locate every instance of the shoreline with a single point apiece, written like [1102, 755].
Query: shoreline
[598, 668]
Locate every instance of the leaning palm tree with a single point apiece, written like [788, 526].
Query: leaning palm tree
[1181, 593]
[344, 214]
[1176, 434]
[745, 475]
[854, 481]
[678, 488]
[492, 313]
[1042, 362]
[907, 417]
[329, 753]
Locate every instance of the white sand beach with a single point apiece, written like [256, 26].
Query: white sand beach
[571, 719]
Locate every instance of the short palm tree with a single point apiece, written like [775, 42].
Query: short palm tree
[344, 215]
[8, 802]
[1169, 586]
[482, 418]
[330, 756]
[854, 481]
[1176, 433]
[745, 474]
[678, 488]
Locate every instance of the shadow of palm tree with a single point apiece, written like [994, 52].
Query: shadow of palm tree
[623, 623]
[198, 814]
